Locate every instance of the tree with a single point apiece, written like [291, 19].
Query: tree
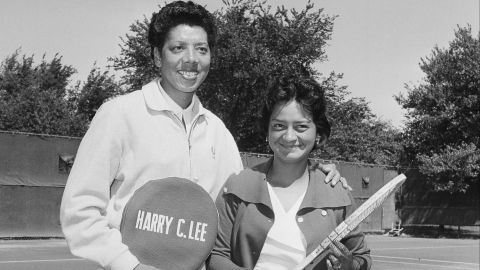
[256, 42]
[33, 98]
[357, 135]
[253, 44]
[442, 135]
[134, 59]
[99, 87]
[38, 98]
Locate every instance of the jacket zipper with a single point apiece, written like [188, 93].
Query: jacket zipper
[195, 120]
[188, 135]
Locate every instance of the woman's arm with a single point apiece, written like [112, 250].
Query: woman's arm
[220, 258]
[355, 241]
[87, 194]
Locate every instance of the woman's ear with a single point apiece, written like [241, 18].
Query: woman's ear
[320, 140]
[157, 58]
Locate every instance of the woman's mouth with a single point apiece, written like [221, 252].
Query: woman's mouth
[188, 75]
[288, 146]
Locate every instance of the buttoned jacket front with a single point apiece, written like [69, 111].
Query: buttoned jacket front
[246, 216]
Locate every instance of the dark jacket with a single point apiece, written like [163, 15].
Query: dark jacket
[246, 216]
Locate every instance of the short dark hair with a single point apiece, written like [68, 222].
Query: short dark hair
[176, 13]
[306, 91]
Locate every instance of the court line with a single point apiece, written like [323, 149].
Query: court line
[427, 260]
[381, 249]
[430, 265]
[33, 261]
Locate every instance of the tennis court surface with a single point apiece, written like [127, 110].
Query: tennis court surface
[388, 253]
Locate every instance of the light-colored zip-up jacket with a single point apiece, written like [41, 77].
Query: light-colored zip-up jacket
[133, 139]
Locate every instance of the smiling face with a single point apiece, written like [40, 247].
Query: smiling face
[291, 133]
[184, 60]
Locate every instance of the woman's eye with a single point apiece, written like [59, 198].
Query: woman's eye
[177, 49]
[277, 126]
[302, 127]
[203, 50]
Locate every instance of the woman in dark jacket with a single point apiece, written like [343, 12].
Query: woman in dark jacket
[274, 214]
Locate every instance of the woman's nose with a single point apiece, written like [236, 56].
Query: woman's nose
[191, 55]
[290, 135]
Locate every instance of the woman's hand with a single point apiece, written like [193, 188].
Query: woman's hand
[333, 175]
[341, 258]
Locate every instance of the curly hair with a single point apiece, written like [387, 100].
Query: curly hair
[176, 13]
[305, 91]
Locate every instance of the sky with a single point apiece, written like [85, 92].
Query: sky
[376, 44]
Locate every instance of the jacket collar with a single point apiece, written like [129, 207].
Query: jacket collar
[156, 101]
[251, 186]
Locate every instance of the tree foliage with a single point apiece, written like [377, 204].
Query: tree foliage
[256, 42]
[134, 59]
[442, 134]
[33, 98]
[452, 167]
[38, 98]
[357, 134]
[99, 87]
